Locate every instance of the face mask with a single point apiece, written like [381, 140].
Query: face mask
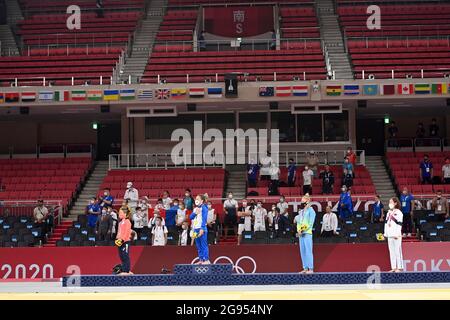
[343, 189]
[175, 204]
[144, 202]
[281, 200]
[405, 193]
[186, 194]
[438, 197]
[230, 196]
[306, 168]
[244, 204]
[209, 206]
[105, 193]
[348, 151]
[302, 205]
[184, 227]
[155, 214]
[158, 223]
[391, 206]
[259, 205]
[197, 202]
[92, 202]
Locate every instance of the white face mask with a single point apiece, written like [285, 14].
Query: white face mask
[230, 196]
[343, 189]
[306, 168]
[184, 227]
[259, 205]
[391, 206]
[197, 202]
[105, 193]
[104, 212]
[244, 204]
[209, 206]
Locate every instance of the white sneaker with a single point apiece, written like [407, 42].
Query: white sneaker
[409, 234]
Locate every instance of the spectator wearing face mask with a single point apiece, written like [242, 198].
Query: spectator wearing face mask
[327, 180]
[347, 167]
[184, 238]
[115, 220]
[181, 214]
[140, 220]
[274, 179]
[212, 217]
[131, 196]
[329, 224]
[252, 173]
[420, 134]
[446, 171]
[351, 156]
[393, 134]
[244, 215]
[312, 162]
[259, 217]
[270, 216]
[292, 173]
[393, 233]
[283, 206]
[40, 214]
[159, 233]
[308, 175]
[434, 128]
[280, 223]
[188, 200]
[440, 206]
[347, 180]
[103, 227]
[345, 204]
[426, 170]
[159, 205]
[106, 200]
[152, 220]
[305, 222]
[407, 208]
[230, 207]
[166, 200]
[377, 210]
[93, 211]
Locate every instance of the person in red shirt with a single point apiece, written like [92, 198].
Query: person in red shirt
[351, 156]
[123, 240]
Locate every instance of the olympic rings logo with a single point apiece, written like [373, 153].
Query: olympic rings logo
[201, 269]
[236, 266]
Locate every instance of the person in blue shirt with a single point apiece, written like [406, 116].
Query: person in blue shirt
[377, 210]
[93, 210]
[407, 208]
[107, 200]
[345, 205]
[292, 173]
[305, 222]
[188, 200]
[347, 167]
[426, 170]
[199, 219]
[252, 173]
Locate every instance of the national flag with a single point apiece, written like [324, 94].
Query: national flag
[283, 91]
[78, 95]
[214, 92]
[28, 96]
[111, 95]
[300, 91]
[334, 90]
[162, 94]
[145, 94]
[370, 89]
[12, 97]
[404, 88]
[2, 97]
[439, 88]
[127, 94]
[62, 95]
[196, 92]
[46, 95]
[351, 89]
[94, 95]
[422, 88]
[388, 89]
[266, 91]
[178, 93]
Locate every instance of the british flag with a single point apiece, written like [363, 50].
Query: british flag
[162, 94]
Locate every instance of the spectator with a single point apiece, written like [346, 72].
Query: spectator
[426, 170]
[93, 211]
[40, 214]
[144, 204]
[260, 217]
[152, 220]
[308, 175]
[377, 210]
[159, 233]
[393, 134]
[114, 217]
[166, 200]
[312, 161]
[201, 41]
[329, 224]
[434, 129]
[230, 207]
[181, 214]
[280, 223]
[292, 172]
[271, 215]
[420, 131]
[244, 216]
[126, 209]
[345, 204]
[185, 237]
[273, 42]
[283, 206]
[347, 167]
[104, 225]
[188, 200]
[327, 180]
[140, 220]
[407, 208]
[274, 179]
[266, 165]
[440, 206]
[393, 233]
[175, 205]
[106, 200]
[212, 218]
[131, 196]
[347, 180]
[99, 8]
[351, 156]
[252, 173]
[446, 171]
[159, 205]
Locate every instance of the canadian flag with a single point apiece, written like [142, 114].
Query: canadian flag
[405, 88]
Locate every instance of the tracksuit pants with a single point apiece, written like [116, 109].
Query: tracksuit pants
[395, 252]
[124, 254]
[407, 223]
[202, 246]
[306, 251]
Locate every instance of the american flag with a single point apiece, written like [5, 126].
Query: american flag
[162, 94]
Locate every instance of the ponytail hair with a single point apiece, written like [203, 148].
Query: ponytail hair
[204, 197]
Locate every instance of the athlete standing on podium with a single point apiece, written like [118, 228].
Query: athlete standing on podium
[199, 216]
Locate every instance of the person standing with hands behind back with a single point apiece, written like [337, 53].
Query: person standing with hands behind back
[393, 233]
[123, 243]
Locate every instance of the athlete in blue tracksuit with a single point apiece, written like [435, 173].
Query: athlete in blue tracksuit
[345, 205]
[199, 217]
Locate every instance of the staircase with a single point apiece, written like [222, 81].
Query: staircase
[89, 190]
[8, 44]
[237, 181]
[14, 12]
[334, 48]
[143, 42]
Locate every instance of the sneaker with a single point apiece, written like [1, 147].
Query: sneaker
[404, 235]
[409, 234]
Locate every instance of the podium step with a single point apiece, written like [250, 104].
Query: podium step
[203, 269]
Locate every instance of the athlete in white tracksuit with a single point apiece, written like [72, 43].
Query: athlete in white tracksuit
[393, 233]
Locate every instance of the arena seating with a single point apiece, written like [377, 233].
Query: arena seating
[362, 184]
[404, 167]
[48, 179]
[39, 6]
[177, 25]
[298, 22]
[18, 232]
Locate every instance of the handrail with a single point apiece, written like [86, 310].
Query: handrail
[14, 205]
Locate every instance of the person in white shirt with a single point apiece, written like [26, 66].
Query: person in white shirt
[260, 217]
[159, 233]
[140, 220]
[184, 239]
[211, 220]
[181, 214]
[393, 233]
[266, 164]
[152, 220]
[230, 207]
[271, 215]
[283, 206]
[274, 179]
[144, 204]
[446, 171]
[308, 175]
[329, 223]
[245, 220]
[131, 196]
[114, 216]
[166, 200]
